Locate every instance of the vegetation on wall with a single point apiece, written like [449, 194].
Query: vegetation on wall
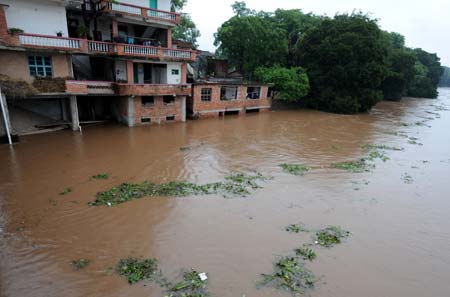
[350, 62]
[16, 88]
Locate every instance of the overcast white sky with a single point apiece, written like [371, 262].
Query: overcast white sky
[424, 23]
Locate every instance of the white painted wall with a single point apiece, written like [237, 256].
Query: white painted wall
[173, 79]
[37, 16]
[162, 4]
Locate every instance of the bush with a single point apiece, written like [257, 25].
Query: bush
[290, 84]
[15, 31]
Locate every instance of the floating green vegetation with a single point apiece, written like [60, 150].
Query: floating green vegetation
[330, 236]
[397, 133]
[407, 179]
[296, 228]
[194, 284]
[422, 124]
[185, 148]
[382, 147]
[414, 141]
[375, 154]
[136, 270]
[101, 176]
[80, 263]
[290, 274]
[52, 202]
[306, 253]
[237, 184]
[356, 166]
[295, 169]
[66, 191]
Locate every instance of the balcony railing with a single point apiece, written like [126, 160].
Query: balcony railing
[97, 47]
[142, 11]
[49, 41]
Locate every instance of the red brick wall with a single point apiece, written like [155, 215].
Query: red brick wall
[158, 111]
[148, 90]
[202, 107]
[3, 24]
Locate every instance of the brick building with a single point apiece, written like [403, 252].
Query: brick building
[116, 57]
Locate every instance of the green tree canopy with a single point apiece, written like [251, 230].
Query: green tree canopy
[345, 61]
[290, 84]
[187, 30]
[250, 42]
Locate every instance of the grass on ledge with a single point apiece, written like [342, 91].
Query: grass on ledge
[237, 184]
[295, 169]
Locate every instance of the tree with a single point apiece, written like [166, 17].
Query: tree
[428, 75]
[401, 66]
[445, 79]
[186, 31]
[345, 61]
[250, 42]
[290, 84]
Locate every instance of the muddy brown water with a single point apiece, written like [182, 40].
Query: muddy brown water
[400, 243]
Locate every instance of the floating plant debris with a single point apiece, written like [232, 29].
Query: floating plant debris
[330, 236]
[295, 169]
[80, 263]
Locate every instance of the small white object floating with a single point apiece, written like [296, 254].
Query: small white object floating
[109, 204]
[203, 276]
[316, 242]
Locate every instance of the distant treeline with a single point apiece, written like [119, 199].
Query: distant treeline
[445, 80]
[344, 64]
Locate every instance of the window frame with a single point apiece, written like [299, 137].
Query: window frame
[206, 97]
[172, 101]
[255, 90]
[148, 103]
[40, 65]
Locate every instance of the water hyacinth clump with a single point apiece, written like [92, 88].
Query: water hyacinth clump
[356, 166]
[331, 236]
[101, 176]
[306, 253]
[296, 228]
[80, 263]
[237, 184]
[194, 284]
[291, 275]
[136, 270]
[295, 169]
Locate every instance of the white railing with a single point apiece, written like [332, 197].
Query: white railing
[161, 15]
[140, 50]
[177, 54]
[126, 8]
[49, 41]
[101, 47]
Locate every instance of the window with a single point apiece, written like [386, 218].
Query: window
[147, 100]
[170, 118]
[253, 92]
[228, 93]
[40, 66]
[146, 120]
[168, 100]
[206, 94]
[175, 72]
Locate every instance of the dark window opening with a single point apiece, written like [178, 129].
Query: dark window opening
[147, 100]
[146, 120]
[256, 110]
[253, 92]
[228, 93]
[175, 72]
[206, 94]
[168, 100]
[231, 112]
[271, 93]
[170, 118]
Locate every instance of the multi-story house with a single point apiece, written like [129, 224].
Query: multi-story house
[116, 58]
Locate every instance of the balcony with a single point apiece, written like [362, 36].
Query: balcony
[139, 11]
[84, 46]
[76, 87]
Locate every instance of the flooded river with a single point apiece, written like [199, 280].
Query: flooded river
[400, 242]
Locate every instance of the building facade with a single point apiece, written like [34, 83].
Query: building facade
[116, 59]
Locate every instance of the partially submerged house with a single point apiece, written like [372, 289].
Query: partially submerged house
[116, 59]
[216, 91]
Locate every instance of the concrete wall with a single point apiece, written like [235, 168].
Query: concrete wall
[37, 16]
[15, 65]
[121, 70]
[173, 79]
[50, 108]
[216, 105]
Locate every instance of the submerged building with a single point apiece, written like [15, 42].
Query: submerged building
[88, 61]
